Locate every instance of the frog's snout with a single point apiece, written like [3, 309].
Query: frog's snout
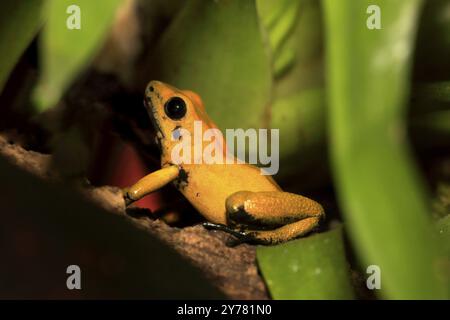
[154, 86]
[151, 87]
[148, 102]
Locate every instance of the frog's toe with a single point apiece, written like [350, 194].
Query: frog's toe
[212, 226]
[218, 226]
[233, 242]
[242, 236]
[247, 237]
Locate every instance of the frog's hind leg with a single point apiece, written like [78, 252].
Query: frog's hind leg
[272, 217]
[281, 234]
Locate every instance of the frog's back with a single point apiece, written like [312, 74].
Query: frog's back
[208, 186]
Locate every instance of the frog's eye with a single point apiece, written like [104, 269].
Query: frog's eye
[175, 108]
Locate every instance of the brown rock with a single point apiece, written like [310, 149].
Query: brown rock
[232, 270]
[33, 162]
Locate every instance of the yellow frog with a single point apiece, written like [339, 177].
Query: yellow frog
[233, 197]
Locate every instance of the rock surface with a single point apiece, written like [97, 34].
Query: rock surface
[232, 270]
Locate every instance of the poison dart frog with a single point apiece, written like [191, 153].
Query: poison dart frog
[233, 197]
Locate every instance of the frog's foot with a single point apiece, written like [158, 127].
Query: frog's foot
[150, 183]
[272, 217]
[224, 228]
[266, 237]
[240, 236]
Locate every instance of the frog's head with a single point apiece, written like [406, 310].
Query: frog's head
[170, 110]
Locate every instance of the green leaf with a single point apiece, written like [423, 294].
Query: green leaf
[66, 52]
[308, 268]
[294, 31]
[300, 118]
[443, 265]
[381, 196]
[304, 45]
[215, 48]
[19, 23]
[279, 18]
[443, 226]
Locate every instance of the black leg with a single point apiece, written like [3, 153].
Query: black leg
[240, 236]
[224, 228]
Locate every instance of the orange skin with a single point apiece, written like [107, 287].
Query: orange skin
[234, 198]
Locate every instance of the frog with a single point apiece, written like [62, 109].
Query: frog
[232, 196]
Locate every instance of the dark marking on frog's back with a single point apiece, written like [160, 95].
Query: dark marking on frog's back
[241, 219]
[182, 181]
[240, 216]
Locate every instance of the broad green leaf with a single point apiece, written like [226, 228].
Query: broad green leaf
[279, 19]
[66, 52]
[380, 193]
[215, 48]
[19, 23]
[305, 44]
[301, 120]
[443, 265]
[295, 36]
[443, 226]
[308, 268]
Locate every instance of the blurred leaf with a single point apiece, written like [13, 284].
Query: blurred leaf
[429, 97]
[295, 35]
[19, 23]
[303, 45]
[308, 109]
[279, 19]
[441, 200]
[433, 42]
[438, 122]
[430, 116]
[380, 193]
[301, 120]
[439, 91]
[215, 48]
[443, 226]
[66, 52]
[308, 268]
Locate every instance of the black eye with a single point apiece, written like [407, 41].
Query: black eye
[175, 108]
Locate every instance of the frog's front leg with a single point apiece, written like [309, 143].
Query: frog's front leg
[150, 183]
[270, 217]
